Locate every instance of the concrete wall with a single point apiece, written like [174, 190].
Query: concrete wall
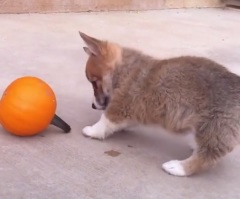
[42, 6]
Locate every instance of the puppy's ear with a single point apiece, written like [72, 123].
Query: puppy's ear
[86, 49]
[93, 45]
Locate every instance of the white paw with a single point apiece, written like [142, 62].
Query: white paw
[174, 167]
[93, 132]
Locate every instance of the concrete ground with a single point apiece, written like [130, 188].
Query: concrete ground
[70, 166]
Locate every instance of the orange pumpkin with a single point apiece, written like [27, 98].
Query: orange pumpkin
[27, 106]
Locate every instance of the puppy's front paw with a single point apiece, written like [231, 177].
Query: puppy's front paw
[87, 131]
[92, 132]
[174, 167]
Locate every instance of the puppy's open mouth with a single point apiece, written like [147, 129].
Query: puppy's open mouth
[102, 106]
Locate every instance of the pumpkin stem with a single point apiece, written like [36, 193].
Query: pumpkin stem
[58, 122]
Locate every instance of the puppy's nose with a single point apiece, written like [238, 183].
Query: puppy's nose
[93, 106]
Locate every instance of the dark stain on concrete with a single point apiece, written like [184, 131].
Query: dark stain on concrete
[112, 153]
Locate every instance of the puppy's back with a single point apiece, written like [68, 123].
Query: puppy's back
[177, 93]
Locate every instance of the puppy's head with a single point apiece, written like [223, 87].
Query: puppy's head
[102, 60]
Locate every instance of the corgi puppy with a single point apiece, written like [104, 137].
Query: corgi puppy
[182, 94]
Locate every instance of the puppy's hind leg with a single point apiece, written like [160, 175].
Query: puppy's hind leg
[212, 146]
[189, 166]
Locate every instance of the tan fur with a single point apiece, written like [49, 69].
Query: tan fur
[180, 94]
